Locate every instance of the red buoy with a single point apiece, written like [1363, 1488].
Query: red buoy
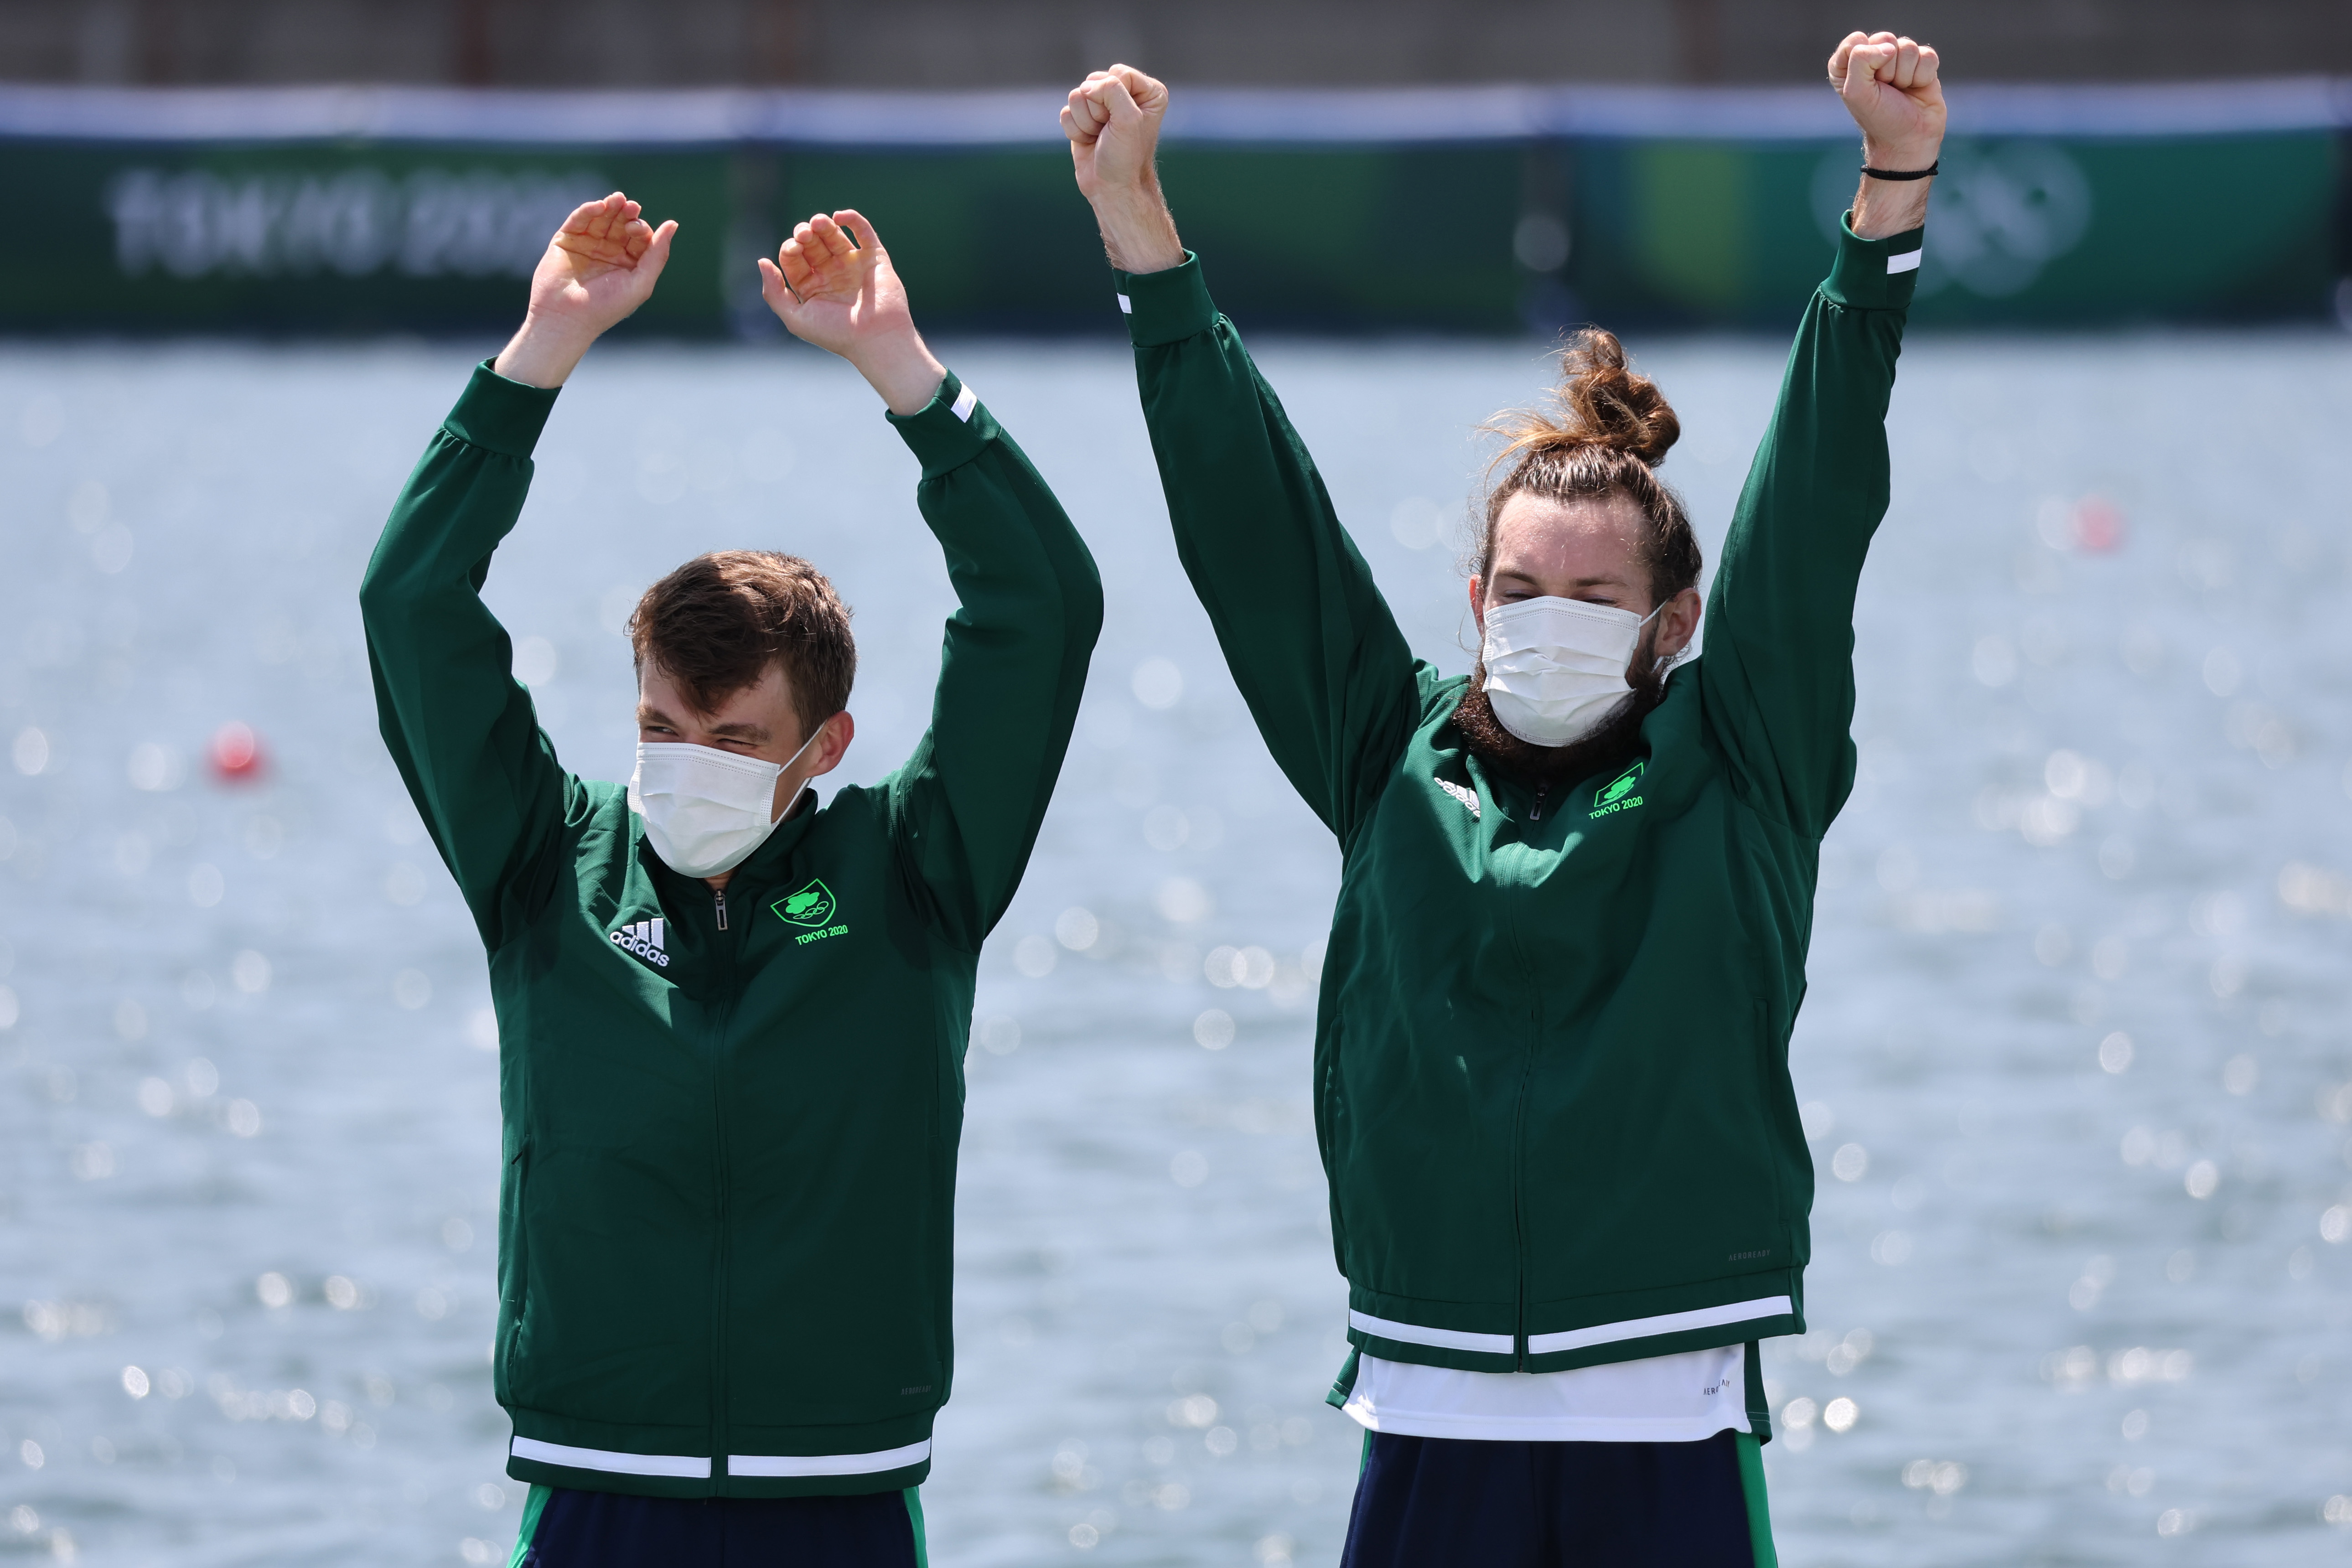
[2099, 524]
[235, 754]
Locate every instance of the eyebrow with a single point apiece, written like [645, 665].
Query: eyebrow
[756, 733]
[1576, 582]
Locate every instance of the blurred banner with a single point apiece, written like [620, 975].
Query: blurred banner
[366, 210]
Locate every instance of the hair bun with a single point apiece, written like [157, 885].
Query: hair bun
[1603, 403]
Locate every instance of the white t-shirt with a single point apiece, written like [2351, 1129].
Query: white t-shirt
[1681, 1398]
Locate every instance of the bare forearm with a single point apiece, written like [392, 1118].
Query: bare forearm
[1138, 230]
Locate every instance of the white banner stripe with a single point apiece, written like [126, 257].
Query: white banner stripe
[1665, 1323]
[1383, 116]
[1443, 1339]
[1906, 262]
[681, 1464]
[828, 1464]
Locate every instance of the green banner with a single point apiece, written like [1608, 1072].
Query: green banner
[327, 239]
[355, 235]
[2026, 231]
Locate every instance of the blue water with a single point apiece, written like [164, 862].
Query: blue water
[2080, 1315]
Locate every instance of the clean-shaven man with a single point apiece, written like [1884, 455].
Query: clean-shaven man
[731, 1021]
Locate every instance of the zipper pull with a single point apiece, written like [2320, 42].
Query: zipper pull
[719, 896]
[1535, 813]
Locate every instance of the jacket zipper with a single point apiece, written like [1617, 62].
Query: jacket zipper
[1518, 1181]
[1519, 1121]
[722, 1259]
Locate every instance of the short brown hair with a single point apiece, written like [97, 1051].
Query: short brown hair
[716, 624]
[1608, 431]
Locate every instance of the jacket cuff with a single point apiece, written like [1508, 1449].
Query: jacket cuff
[948, 431]
[503, 416]
[1874, 274]
[1166, 307]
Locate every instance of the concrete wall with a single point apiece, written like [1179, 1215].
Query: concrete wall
[961, 43]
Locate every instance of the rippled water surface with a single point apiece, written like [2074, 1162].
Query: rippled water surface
[2075, 1058]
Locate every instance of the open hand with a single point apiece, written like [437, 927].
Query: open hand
[601, 266]
[833, 285]
[1892, 87]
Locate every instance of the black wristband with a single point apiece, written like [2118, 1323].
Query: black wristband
[1902, 173]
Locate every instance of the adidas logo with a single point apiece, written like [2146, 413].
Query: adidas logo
[645, 940]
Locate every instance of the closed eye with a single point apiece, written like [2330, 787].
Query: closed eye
[1583, 597]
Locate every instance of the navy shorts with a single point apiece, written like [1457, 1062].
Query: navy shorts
[567, 1529]
[1435, 1503]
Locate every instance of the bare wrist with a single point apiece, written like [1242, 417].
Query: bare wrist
[543, 353]
[1138, 229]
[1906, 158]
[903, 369]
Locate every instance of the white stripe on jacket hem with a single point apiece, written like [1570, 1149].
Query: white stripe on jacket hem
[1443, 1339]
[1664, 1323]
[828, 1464]
[684, 1466]
[690, 1467]
[1573, 1339]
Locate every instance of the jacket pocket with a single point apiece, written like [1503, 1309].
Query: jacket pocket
[514, 1275]
[1329, 1109]
[1780, 1101]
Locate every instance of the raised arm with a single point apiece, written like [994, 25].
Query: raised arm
[967, 805]
[1309, 639]
[1778, 670]
[460, 729]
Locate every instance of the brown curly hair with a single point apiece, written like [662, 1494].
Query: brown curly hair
[716, 624]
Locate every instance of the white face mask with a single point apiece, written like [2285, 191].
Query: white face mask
[706, 810]
[1556, 667]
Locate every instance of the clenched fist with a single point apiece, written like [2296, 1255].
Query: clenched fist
[1891, 87]
[1112, 120]
[1113, 123]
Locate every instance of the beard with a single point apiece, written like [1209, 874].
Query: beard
[1612, 745]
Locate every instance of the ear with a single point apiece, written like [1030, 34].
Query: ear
[832, 741]
[1478, 604]
[1678, 623]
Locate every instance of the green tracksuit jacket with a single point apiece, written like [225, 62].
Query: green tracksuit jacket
[1551, 1079]
[725, 1224]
